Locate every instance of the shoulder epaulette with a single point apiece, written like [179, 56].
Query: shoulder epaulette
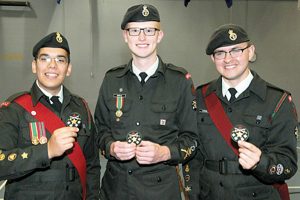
[277, 88]
[14, 96]
[116, 68]
[175, 68]
[201, 86]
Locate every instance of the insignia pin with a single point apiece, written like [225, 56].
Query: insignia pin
[239, 132]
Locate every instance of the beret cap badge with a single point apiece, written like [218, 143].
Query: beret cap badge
[232, 35]
[145, 11]
[58, 38]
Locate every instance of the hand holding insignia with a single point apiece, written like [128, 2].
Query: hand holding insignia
[61, 140]
[149, 153]
[249, 155]
[122, 150]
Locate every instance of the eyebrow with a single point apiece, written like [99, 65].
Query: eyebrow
[45, 54]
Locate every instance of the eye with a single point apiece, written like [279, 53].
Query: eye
[219, 53]
[61, 60]
[44, 58]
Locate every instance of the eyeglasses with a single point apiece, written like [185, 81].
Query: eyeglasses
[137, 31]
[60, 60]
[219, 55]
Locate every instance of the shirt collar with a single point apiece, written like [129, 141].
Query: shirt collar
[49, 95]
[150, 71]
[240, 88]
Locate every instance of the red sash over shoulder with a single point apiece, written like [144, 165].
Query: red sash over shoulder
[53, 122]
[223, 124]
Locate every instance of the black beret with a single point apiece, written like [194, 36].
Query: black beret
[54, 40]
[226, 35]
[140, 13]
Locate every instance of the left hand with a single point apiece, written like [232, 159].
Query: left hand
[150, 153]
[249, 155]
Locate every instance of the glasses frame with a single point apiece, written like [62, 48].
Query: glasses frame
[57, 59]
[238, 51]
[142, 29]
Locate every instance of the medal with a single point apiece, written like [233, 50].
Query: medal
[37, 133]
[35, 141]
[119, 113]
[134, 137]
[239, 132]
[119, 105]
[42, 133]
[43, 140]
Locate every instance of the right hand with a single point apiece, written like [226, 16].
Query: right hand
[122, 150]
[61, 140]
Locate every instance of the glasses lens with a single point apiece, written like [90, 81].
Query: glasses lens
[149, 31]
[219, 55]
[61, 60]
[236, 52]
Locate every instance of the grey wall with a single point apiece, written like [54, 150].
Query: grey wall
[93, 30]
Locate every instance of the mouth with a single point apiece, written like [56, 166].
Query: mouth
[142, 45]
[51, 75]
[229, 66]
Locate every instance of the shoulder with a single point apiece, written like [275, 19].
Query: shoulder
[203, 85]
[276, 89]
[10, 99]
[78, 98]
[15, 96]
[116, 69]
[176, 69]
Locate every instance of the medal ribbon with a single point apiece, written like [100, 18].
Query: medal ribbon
[53, 122]
[33, 131]
[119, 101]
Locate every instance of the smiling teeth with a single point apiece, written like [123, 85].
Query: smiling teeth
[51, 74]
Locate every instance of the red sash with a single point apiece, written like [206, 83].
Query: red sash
[53, 122]
[223, 124]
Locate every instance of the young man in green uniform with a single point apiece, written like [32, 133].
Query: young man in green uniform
[247, 128]
[146, 122]
[47, 146]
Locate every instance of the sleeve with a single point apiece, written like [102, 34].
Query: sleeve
[18, 157]
[93, 166]
[184, 148]
[103, 123]
[279, 155]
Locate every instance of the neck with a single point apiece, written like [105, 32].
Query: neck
[144, 64]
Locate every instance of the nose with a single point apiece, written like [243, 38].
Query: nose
[142, 35]
[52, 63]
[227, 57]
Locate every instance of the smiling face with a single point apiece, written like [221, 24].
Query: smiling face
[51, 75]
[234, 70]
[143, 46]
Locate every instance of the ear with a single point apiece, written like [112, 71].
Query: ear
[125, 36]
[69, 70]
[212, 57]
[33, 66]
[251, 52]
[160, 36]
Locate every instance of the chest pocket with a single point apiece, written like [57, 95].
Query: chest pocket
[258, 126]
[164, 113]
